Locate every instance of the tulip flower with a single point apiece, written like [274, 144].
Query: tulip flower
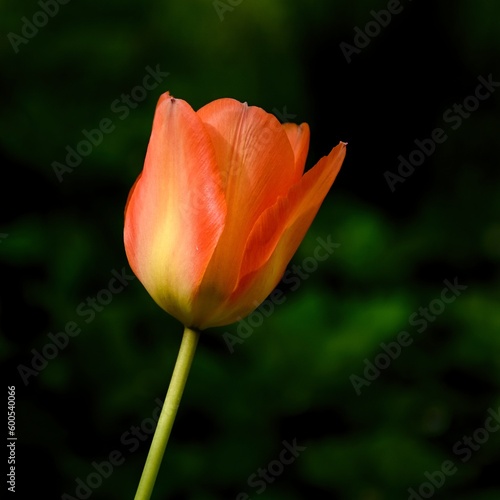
[220, 207]
[218, 211]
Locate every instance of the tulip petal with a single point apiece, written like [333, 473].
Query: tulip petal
[176, 209]
[298, 135]
[277, 235]
[257, 165]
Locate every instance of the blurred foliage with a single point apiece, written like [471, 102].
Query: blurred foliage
[291, 377]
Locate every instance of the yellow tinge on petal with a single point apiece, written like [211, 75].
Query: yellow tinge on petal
[176, 211]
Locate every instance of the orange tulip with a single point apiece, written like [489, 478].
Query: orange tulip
[220, 207]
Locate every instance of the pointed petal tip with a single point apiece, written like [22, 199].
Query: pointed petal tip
[340, 148]
[165, 97]
[338, 154]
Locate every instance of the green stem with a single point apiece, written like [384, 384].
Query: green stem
[168, 413]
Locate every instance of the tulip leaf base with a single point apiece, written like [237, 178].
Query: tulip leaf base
[168, 413]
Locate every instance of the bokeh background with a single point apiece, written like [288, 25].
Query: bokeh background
[292, 377]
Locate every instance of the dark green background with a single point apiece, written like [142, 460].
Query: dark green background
[291, 379]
